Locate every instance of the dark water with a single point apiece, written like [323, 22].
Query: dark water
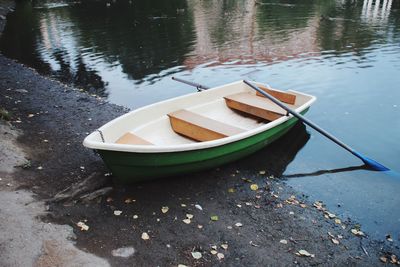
[347, 53]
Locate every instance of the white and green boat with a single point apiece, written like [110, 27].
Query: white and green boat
[194, 132]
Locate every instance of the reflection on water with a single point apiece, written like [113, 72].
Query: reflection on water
[345, 52]
[376, 11]
[109, 48]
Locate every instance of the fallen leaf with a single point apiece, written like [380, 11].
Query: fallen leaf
[383, 259]
[187, 221]
[214, 247]
[224, 246]
[393, 259]
[220, 256]
[183, 205]
[305, 253]
[128, 201]
[253, 244]
[338, 221]
[331, 215]
[247, 180]
[303, 205]
[283, 241]
[189, 216]
[196, 255]
[261, 172]
[83, 226]
[199, 226]
[31, 115]
[164, 209]
[197, 206]
[231, 190]
[117, 212]
[335, 241]
[214, 218]
[254, 187]
[389, 238]
[213, 252]
[357, 232]
[238, 224]
[145, 236]
[318, 205]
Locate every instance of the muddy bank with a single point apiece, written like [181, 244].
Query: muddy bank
[232, 225]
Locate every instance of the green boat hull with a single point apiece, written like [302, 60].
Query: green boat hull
[130, 167]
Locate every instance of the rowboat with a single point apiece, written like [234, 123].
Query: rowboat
[194, 132]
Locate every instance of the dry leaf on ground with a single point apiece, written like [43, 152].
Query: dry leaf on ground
[117, 212]
[145, 236]
[254, 187]
[187, 221]
[164, 209]
[197, 255]
[83, 226]
[214, 218]
[305, 253]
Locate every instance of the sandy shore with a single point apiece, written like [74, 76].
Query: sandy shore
[43, 155]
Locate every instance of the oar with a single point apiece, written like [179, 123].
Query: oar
[198, 86]
[372, 164]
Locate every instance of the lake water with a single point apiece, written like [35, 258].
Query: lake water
[347, 53]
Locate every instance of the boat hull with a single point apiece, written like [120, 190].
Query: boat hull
[131, 167]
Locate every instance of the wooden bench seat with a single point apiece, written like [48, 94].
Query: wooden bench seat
[255, 105]
[132, 139]
[200, 128]
[282, 96]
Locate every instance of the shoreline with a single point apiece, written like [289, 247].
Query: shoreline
[53, 119]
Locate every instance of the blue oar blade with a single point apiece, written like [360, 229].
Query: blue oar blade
[372, 164]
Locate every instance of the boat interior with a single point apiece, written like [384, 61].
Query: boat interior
[210, 117]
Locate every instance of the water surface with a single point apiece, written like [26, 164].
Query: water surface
[347, 53]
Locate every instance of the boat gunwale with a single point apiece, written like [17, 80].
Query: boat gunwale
[192, 146]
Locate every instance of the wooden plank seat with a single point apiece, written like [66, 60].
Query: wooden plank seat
[255, 105]
[200, 128]
[132, 139]
[284, 97]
